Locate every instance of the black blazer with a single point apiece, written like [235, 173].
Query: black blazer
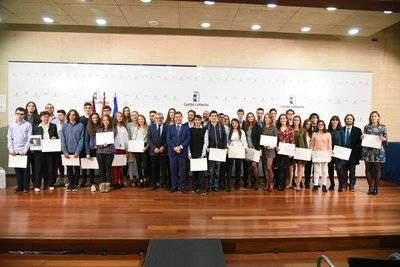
[39, 130]
[355, 144]
[155, 141]
[255, 135]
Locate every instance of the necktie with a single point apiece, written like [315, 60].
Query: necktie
[158, 130]
[178, 128]
[347, 135]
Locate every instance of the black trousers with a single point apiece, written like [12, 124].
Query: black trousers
[30, 170]
[90, 171]
[143, 165]
[22, 178]
[200, 181]
[105, 165]
[236, 165]
[158, 169]
[59, 165]
[73, 174]
[307, 173]
[46, 168]
[348, 172]
[283, 166]
[331, 172]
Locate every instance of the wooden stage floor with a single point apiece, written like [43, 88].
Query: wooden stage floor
[139, 214]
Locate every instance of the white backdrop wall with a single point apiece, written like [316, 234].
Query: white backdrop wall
[144, 88]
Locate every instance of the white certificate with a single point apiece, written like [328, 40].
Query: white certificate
[119, 160]
[198, 165]
[268, 140]
[236, 152]
[90, 163]
[17, 161]
[136, 146]
[72, 161]
[51, 145]
[341, 152]
[105, 138]
[286, 149]
[302, 153]
[217, 154]
[35, 142]
[370, 140]
[321, 156]
[253, 154]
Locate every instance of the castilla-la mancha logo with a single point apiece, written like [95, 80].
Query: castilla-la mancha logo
[196, 96]
[196, 100]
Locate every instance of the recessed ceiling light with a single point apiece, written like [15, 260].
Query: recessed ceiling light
[48, 20]
[205, 25]
[209, 3]
[305, 29]
[387, 12]
[272, 5]
[331, 8]
[101, 21]
[353, 31]
[154, 23]
[145, 1]
[256, 27]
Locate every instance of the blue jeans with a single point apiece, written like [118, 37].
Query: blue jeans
[213, 173]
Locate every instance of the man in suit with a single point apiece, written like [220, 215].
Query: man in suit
[157, 149]
[178, 139]
[352, 139]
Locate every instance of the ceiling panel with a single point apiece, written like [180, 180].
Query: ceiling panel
[139, 16]
[36, 8]
[92, 9]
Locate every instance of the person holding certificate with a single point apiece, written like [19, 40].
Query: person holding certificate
[178, 140]
[337, 135]
[269, 153]
[236, 138]
[253, 135]
[216, 139]
[31, 116]
[198, 149]
[300, 140]
[121, 147]
[285, 135]
[90, 146]
[352, 139]
[139, 133]
[72, 140]
[45, 162]
[18, 144]
[131, 160]
[84, 119]
[126, 115]
[321, 141]
[105, 155]
[374, 157]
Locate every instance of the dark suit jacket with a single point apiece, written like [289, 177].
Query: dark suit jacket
[354, 143]
[255, 135]
[39, 130]
[174, 140]
[156, 141]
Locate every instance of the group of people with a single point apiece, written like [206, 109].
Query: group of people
[170, 144]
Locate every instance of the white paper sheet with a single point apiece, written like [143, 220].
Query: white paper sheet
[236, 152]
[105, 138]
[89, 163]
[267, 140]
[72, 161]
[302, 154]
[217, 154]
[321, 156]
[286, 149]
[17, 161]
[341, 152]
[198, 165]
[253, 154]
[136, 146]
[119, 160]
[51, 145]
[370, 140]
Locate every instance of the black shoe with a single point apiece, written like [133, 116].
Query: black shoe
[351, 188]
[315, 188]
[281, 188]
[255, 188]
[331, 187]
[183, 190]
[82, 185]
[307, 185]
[375, 191]
[18, 190]
[324, 189]
[216, 189]
[228, 189]
[153, 188]
[370, 191]
[340, 189]
[173, 190]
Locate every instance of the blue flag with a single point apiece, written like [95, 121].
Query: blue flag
[115, 109]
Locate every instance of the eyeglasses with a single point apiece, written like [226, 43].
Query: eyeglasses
[20, 114]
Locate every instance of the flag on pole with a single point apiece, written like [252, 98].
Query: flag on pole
[115, 108]
[94, 97]
[104, 103]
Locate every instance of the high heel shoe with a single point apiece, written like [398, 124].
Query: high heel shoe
[370, 191]
[375, 191]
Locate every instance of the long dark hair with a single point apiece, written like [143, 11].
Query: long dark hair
[168, 120]
[231, 129]
[127, 119]
[377, 113]
[76, 115]
[339, 126]
[321, 121]
[92, 127]
[248, 124]
[278, 121]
